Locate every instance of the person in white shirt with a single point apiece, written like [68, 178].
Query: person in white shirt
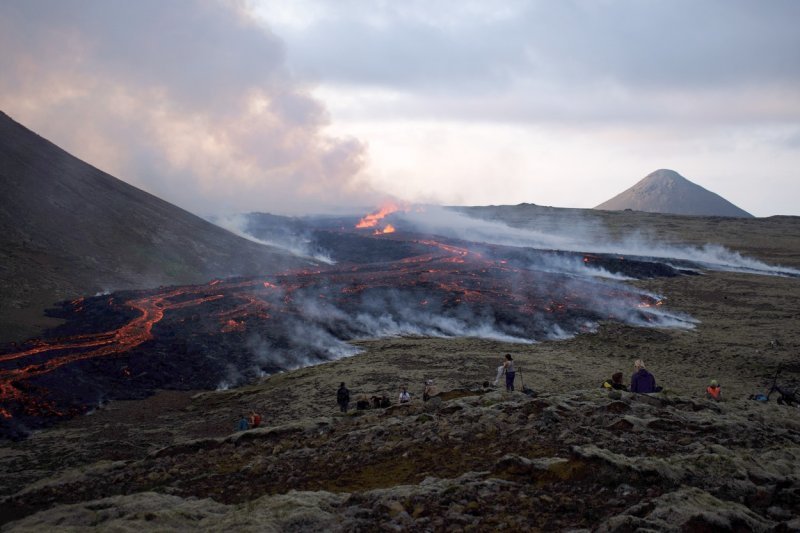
[405, 396]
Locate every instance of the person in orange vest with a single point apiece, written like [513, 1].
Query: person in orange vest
[714, 391]
[255, 419]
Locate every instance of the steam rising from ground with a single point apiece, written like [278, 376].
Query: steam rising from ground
[489, 280]
[314, 329]
[582, 235]
[298, 244]
[445, 291]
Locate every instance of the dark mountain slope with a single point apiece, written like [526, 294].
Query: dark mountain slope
[666, 191]
[68, 229]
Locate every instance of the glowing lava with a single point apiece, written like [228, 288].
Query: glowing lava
[185, 337]
[388, 229]
[371, 220]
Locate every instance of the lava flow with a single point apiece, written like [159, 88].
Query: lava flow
[371, 220]
[191, 337]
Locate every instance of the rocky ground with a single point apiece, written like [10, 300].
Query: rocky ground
[572, 457]
[468, 460]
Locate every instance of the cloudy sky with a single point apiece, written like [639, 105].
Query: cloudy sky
[298, 106]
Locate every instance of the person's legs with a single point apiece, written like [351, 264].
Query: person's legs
[510, 381]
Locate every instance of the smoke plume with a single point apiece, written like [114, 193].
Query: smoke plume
[190, 100]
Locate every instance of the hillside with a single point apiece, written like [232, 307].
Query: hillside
[666, 191]
[573, 457]
[68, 229]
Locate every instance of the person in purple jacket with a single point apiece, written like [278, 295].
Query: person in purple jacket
[642, 380]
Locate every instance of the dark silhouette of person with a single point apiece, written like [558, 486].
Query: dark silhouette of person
[343, 398]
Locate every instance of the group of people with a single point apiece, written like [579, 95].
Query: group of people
[643, 381]
[429, 390]
[251, 421]
[381, 401]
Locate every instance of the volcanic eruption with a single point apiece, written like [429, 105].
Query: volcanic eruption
[396, 282]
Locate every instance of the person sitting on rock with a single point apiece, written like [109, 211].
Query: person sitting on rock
[405, 396]
[380, 401]
[242, 424]
[255, 419]
[430, 391]
[615, 382]
[642, 380]
[714, 391]
[376, 401]
[362, 402]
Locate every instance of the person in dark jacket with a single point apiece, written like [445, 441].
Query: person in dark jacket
[642, 380]
[343, 398]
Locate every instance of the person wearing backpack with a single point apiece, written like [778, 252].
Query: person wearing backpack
[255, 419]
[343, 398]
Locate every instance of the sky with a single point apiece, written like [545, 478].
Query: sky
[312, 106]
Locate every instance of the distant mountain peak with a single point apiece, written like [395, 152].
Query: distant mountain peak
[666, 191]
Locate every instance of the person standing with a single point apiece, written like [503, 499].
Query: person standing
[508, 369]
[343, 398]
[642, 380]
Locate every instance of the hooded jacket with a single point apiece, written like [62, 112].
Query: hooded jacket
[643, 381]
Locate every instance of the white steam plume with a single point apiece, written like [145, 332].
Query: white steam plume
[294, 244]
[586, 237]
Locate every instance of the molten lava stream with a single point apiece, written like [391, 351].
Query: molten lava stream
[123, 339]
[64, 344]
[371, 220]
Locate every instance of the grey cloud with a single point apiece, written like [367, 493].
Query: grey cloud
[666, 42]
[191, 100]
[201, 51]
[622, 61]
